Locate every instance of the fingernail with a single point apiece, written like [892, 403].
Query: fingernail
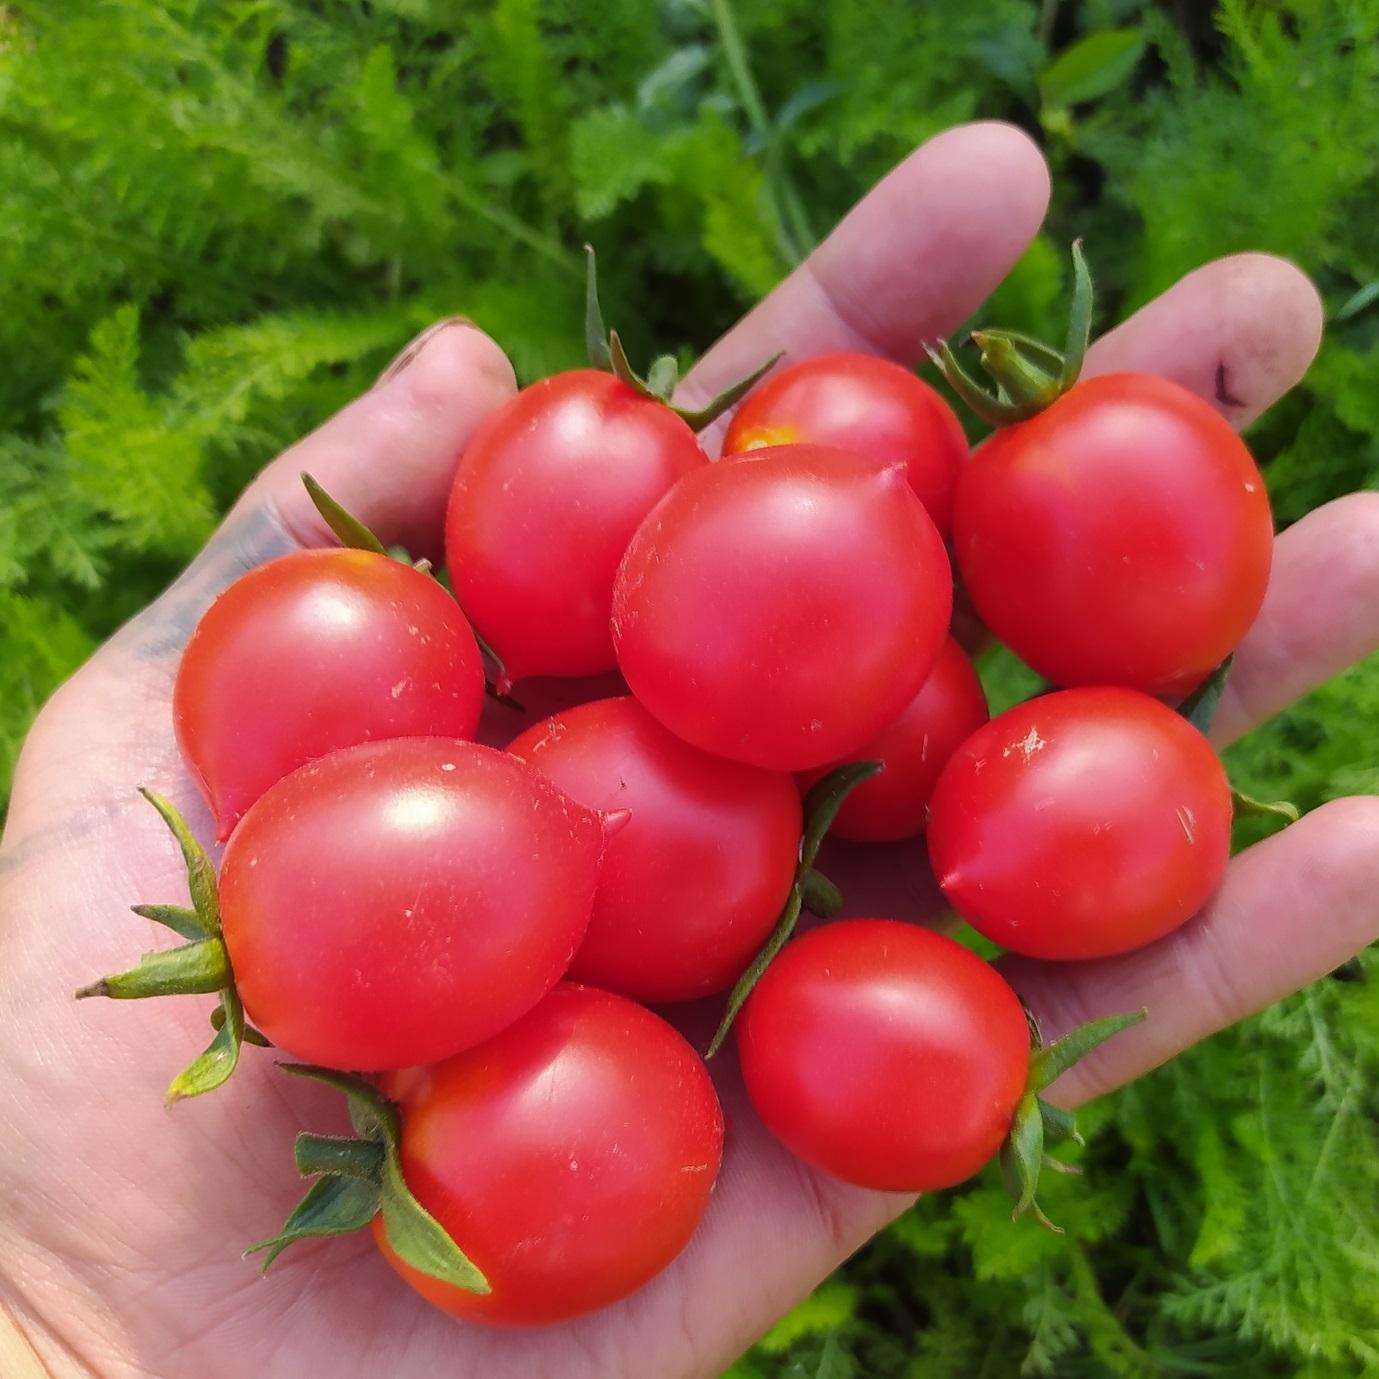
[415, 346]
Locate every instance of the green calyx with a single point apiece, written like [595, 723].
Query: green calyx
[605, 350]
[1245, 806]
[1038, 1121]
[810, 891]
[1027, 374]
[357, 1179]
[356, 536]
[197, 967]
[1199, 708]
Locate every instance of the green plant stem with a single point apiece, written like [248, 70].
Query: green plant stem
[792, 226]
[1048, 17]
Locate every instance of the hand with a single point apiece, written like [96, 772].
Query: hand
[121, 1226]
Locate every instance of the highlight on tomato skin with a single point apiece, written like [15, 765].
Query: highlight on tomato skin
[1122, 536]
[571, 1158]
[393, 903]
[781, 609]
[693, 884]
[866, 404]
[312, 652]
[546, 497]
[884, 1054]
[950, 706]
[1081, 824]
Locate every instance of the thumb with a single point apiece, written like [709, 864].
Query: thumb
[389, 457]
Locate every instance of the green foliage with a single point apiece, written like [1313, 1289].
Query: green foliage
[222, 217]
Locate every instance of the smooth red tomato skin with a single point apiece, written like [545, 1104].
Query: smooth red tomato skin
[546, 498]
[395, 902]
[1121, 537]
[783, 608]
[1081, 824]
[571, 1158]
[312, 652]
[950, 706]
[868, 405]
[694, 882]
[884, 1054]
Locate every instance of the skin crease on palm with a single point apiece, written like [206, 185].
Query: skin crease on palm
[121, 1224]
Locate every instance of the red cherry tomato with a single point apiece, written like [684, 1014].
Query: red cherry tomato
[868, 405]
[1121, 537]
[395, 902]
[546, 498]
[571, 1158]
[1081, 824]
[782, 609]
[884, 1054]
[695, 881]
[950, 706]
[312, 652]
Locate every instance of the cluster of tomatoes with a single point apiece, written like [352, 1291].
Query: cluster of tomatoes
[466, 940]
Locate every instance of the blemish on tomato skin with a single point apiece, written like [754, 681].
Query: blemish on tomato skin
[1027, 745]
[1186, 819]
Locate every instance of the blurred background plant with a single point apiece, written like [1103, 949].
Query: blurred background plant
[221, 217]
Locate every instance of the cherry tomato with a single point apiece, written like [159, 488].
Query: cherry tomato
[950, 706]
[312, 652]
[696, 880]
[884, 1054]
[781, 609]
[571, 1158]
[395, 902]
[868, 405]
[1120, 537]
[546, 498]
[1081, 824]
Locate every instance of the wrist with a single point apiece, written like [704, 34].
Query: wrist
[18, 1358]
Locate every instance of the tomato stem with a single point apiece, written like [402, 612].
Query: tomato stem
[821, 805]
[343, 1154]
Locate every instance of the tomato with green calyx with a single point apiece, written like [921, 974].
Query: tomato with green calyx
[1122, 536]
[1081, 824]
[548, 494]
[1114, 531]
[546, 498]
[781, 609]
[695, 881]
[312, 652]
[950, 706]
[893, 1058]
[384, 906]
[865, 404]
[571, 1158]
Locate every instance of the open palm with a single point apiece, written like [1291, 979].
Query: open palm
[120, 1225]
